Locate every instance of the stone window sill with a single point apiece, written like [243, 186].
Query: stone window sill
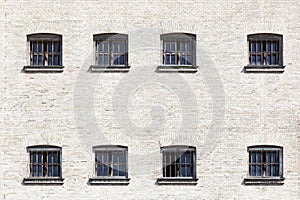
[43, 181]
[176, 68]
[108, 181]
[264, 69]
[264, 181]
[177, 181]
[43, 69]
[110, 68]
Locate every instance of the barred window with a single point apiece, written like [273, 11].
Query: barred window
[111, 49]
[265, 161]
[265, 49]
[178, 49]
[45, 161]
[179, 161]
[110, 161]
[45, 49]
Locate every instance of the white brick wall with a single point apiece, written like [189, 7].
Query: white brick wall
[43, 108]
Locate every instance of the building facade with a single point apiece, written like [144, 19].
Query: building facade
[150, 99]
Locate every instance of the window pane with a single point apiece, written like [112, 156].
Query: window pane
[49, 47]
[122, 60]
[34, 46]
[274, 61]
[173, 59]
[56, 47]
[258, 157]
[50, 157]
[253, 157]
[268, 46]
[115, 47]
[106, 59]
[122, 171]
[50, 171]
[253, 47]
[268, 60]
[49, 60]
[168, 48]
[55, 59]
[268, 170]
[105, 47]
[40, 170]
[173, 47]
[105, 170]
[40, 47]
[253, 60]
[258, 170]
[253, 170]
[34, 171]
[40, 61]
[115, 59]
[121, 47]
[275, 46]
[99, 170]
[259, 60]
[258, 46]
[56, 171]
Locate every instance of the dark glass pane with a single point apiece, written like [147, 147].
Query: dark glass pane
[49, 47]
[253, 157]
[268, 154]
[188, 157]
[182, 60]
[273, 159]
[122, 171]
[34, 46]
[121, 47]
[40, 61]
[34, 170]
[40, 158]
[55, 60]
[268, 170]
[40, 47]
[115, 170]
[115, 59]
[258, 46]
[189, 171]
[49, 60]
[168, 158]
[122, 60]
[188, 60]
[253, 46]
[105, 157]
[56, 170]
[167, 61]
[50, 171]
[275, 47]
[188, 47]
[99, 170]
[268, 46]
[258, 157]
[274, 170]
[100, 59]
[268, 60]
[253, 60]
[56, 46]
[182, 171]
[35, 60]
[105, 170]
[40, 170]
[33, 157]
[259, 61]
[99, 46]
[106, 59]
[274, 62]
[172, 59]
[50, 160]
[55, 157]
[258, 170]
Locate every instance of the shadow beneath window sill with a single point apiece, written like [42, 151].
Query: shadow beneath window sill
[43, 69]
[176, 181]
[108, 181]
[276, 69]
[176, 69]
[43, 181]
[264, 181]
[108, 69]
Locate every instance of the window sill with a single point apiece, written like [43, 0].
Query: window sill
[43, 181]
[264, 69]
[43, 69]
[177, 181]
[264, 181]
[109, 68]
[108, 181]
[176, 68]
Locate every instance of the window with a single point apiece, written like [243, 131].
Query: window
[265, 164]
[265, 51]
[178, 52]
[111, 52]
[179, 165]
[44, 164]
[110, 165]
[45, 52]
